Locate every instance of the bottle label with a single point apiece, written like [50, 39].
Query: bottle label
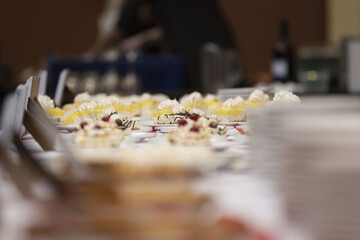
[280, 68]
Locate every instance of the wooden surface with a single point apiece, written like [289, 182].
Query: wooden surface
[255, 24]
[30, 29]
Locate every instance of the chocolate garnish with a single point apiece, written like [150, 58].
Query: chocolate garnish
[118, 122]
[213, 124]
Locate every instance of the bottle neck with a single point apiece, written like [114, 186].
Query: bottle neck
[284, 38]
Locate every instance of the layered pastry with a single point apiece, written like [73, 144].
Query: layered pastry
[54, 113]
[215, 128]
[231, 111]
[190, 132]
[148, 162]
[148, 102]
[193, 100]
[78, 100]
[169, 112]
[82, 98]
[84, 111]
[123, 122]
[97, 134]
[211, 123]
[128, 108]
[210, 104]
[284, 98]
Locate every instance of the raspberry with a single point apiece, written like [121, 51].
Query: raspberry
[194, 117]
[105, 119]
[182, 122]
[97, 127]
[83, 124]
[194, 129]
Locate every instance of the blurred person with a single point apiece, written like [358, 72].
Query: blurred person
[185, 25]
[6, 82]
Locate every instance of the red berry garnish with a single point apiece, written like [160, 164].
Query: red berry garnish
[194, 129]
[182, 122]
[194, 117]
[97, 127]
[83, 124]
[240, 131]
[105, 119]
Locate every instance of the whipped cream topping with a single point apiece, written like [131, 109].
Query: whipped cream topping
[108, 111]
[87, 106]
[179, 108]
[46, 102]
[166, 104]
[194, 97]
[82, 97]
[197, 111]
[183, 98]
[116, 116]
[145, 96]
[98, 96]
[210, 98]
[159, 97]
[259, 96]
[104, 102]
[134, 98]
[230, 103]
[213, 118]
[113, 99]
[286, 98]
[203, 122]
[238, 99]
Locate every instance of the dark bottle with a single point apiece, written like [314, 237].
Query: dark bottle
[282, 62]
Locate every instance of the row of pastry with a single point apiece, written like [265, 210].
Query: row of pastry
[162, 109]
[232, 110]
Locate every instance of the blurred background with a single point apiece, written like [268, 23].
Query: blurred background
[42, 34]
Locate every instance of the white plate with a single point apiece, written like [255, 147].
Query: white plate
[166, 130]
[232, 123]
[140, 134]
[32, 146]
[145, 129]
[152, 124]
[70, 128]
[142, 118]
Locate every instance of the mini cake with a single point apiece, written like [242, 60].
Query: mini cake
[169, 112]
[210, 104]
[97, 134]
[123, 123]
[159, 97]
[211, 123]
[214, 128]
[284, 98]
[193, 100]
[54, 113]
[190, 132]
[82, 98]
[230, 111]
[78, 100]
[85, 110]
[257, 98]
[148, 104]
